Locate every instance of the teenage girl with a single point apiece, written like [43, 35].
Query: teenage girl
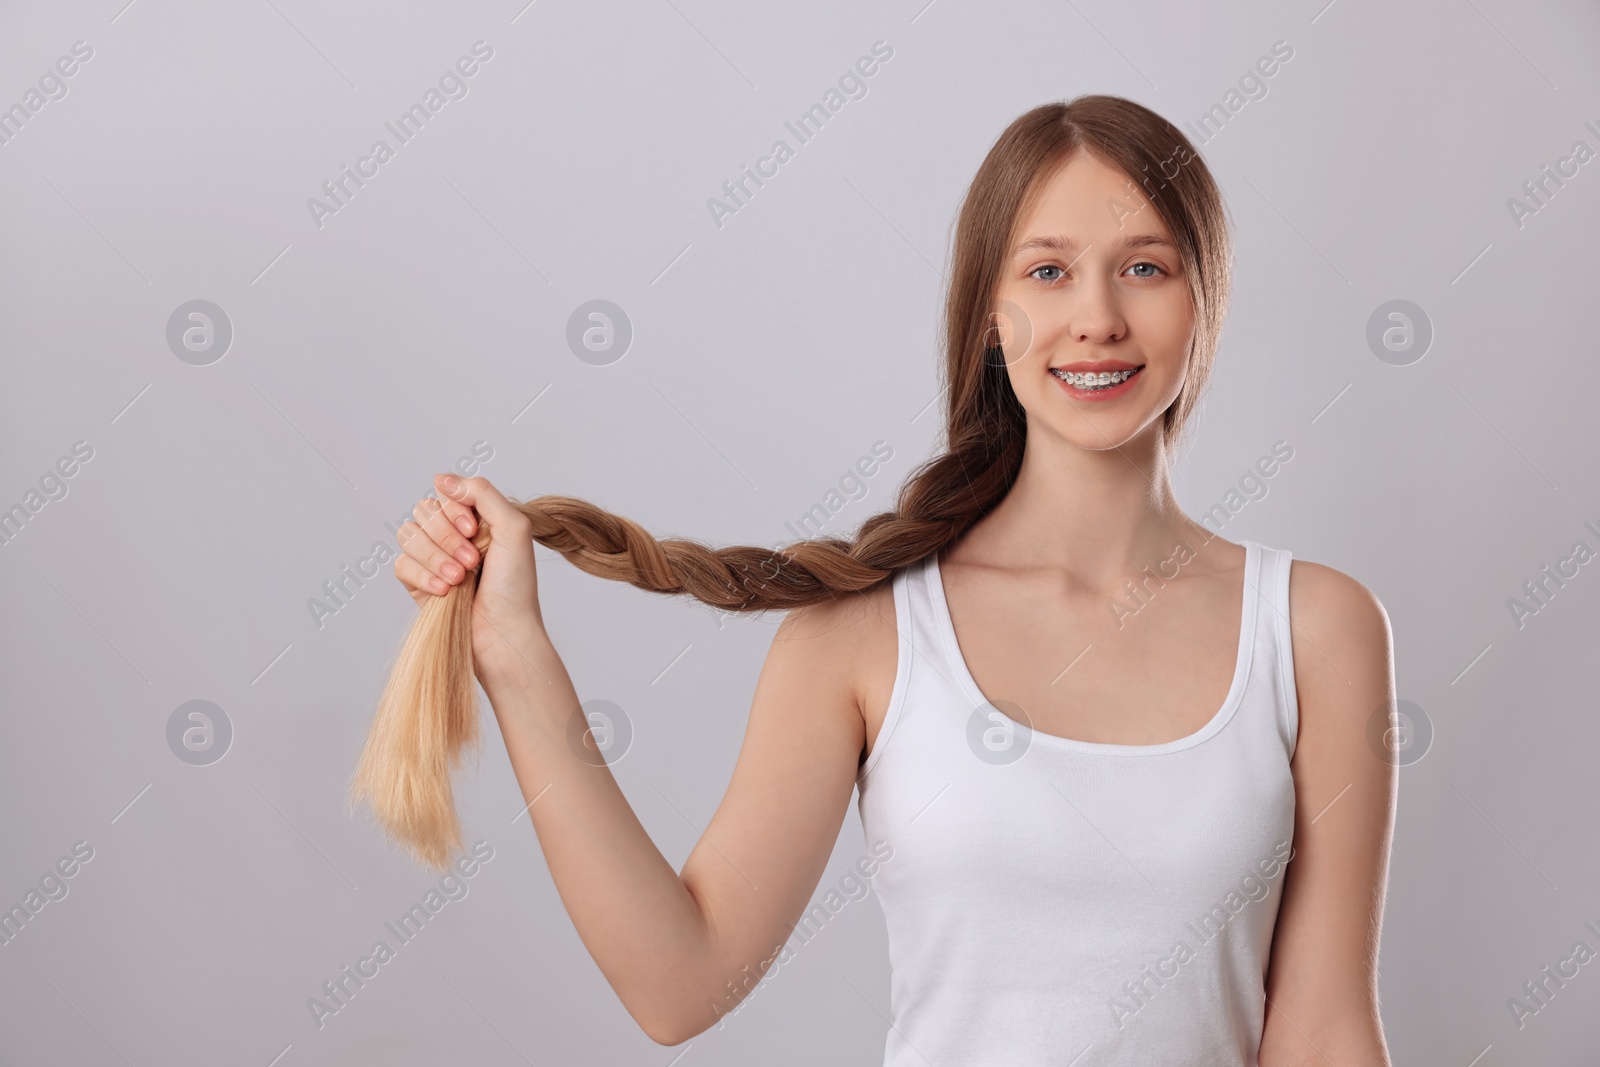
[1119, 764]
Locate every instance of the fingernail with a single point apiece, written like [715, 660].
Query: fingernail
[464, 554]
[464, 525]
[449, 570]
[451, 482]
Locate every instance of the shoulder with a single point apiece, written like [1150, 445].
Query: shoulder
[1343, 659]
[1333, 610]
[849, 639]
[840, 620]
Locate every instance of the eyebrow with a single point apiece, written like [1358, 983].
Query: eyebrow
[1065, 245]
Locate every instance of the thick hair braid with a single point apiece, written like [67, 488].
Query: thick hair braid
[746, 578]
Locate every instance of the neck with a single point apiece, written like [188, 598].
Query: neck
[1097, 514]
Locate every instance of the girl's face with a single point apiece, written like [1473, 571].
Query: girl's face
[1094, 285]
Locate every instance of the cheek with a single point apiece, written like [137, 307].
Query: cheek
[1017, 327]
[1168, 386]
[1165, 320]
[1029, 370]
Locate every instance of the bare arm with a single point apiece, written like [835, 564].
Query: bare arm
[669, 943]
[1322, 986]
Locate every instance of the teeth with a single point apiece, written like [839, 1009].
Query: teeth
[1090, 380]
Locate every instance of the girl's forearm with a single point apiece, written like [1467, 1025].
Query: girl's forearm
[634, 914]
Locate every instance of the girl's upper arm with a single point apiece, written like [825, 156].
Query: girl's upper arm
[754, 869]
[1322, 982]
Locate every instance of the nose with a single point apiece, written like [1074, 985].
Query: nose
[1094, 316]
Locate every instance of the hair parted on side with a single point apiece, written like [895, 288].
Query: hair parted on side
[427, 716]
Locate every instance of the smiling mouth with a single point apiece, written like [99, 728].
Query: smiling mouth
[1090, 381]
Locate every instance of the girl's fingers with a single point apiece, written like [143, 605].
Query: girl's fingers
[438, 518]
[419, 546]
[479, 493]
[462, 517]
[436, 551]
[418, 580]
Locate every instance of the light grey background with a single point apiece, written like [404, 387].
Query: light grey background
[769, 354]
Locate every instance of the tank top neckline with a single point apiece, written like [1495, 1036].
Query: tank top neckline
[1248, 616]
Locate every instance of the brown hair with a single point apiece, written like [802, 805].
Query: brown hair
[427, 715]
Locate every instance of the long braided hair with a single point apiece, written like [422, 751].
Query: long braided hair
[428, 713]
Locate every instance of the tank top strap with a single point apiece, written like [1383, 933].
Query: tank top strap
[1274, 658]
[925, 678]
[906, 587]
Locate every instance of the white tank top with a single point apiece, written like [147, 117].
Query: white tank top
[1055, 901]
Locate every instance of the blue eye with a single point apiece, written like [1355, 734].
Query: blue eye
[1051, 266]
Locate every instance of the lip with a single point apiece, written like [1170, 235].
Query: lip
[1097, 395]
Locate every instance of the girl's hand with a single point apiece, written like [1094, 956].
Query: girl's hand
[438, 553]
